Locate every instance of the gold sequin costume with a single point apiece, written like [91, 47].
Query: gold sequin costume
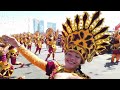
[84, 35]
[6, 69]
[51, 37]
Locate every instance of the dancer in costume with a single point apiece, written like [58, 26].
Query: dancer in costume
[29, 41]
[6, 69]
[116, 47]
[81, 44]
[37, 41]
[35, 37]
[25, 40]
[51, 37]
[13, 54]
[38, 44]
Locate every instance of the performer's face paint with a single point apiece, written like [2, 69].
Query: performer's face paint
[72, 60]
[14, 54]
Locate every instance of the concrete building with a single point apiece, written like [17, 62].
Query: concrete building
[43, 25]
[35, 25]
[51, 25]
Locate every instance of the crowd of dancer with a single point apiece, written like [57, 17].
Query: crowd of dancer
[81, 40]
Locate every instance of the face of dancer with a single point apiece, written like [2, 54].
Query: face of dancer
[72, 60]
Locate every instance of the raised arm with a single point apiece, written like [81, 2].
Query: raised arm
[31, 57]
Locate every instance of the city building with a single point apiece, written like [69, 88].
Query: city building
[51, 25]
[41, 26]
[35, 25]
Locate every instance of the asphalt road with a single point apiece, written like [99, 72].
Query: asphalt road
[29, 70]
[99, 68]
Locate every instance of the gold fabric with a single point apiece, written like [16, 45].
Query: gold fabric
[32, 58]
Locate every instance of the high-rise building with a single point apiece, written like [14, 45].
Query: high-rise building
[51, 25]
[36, 25]
[41, 26]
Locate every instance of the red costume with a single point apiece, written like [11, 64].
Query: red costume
[116, 47]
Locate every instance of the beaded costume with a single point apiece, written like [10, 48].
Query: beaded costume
[51, 37]
[84, 35]
[116, 47]
[6, 69]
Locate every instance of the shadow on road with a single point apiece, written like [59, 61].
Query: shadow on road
[28, 73]
[108, 59]
[96, 74]
[28, 65]
[59, 52]
[108, 64]
[25, 66]
[12, 77]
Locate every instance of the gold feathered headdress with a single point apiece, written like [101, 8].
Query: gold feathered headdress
[85, 35]
[51, 34]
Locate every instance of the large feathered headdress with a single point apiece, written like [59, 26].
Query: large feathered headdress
[50, 33]
[85, 35]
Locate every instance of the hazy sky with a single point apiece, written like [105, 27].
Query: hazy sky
[17, 21]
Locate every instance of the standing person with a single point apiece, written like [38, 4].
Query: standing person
[116, 47]
[38, 45]
[59, 40]
[51, 36]
[12, 55]
[29, 42]
[81, 44]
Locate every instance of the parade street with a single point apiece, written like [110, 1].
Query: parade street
[99, 68]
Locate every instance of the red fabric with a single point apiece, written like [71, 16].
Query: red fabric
[50, 67]
[13, 60]
[29, 47]
[116, 52]
[50, 49]
[3, 58]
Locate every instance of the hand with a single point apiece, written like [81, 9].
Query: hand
[10, 40]
[2, 45]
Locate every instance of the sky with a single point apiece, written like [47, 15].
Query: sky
[20, 21]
